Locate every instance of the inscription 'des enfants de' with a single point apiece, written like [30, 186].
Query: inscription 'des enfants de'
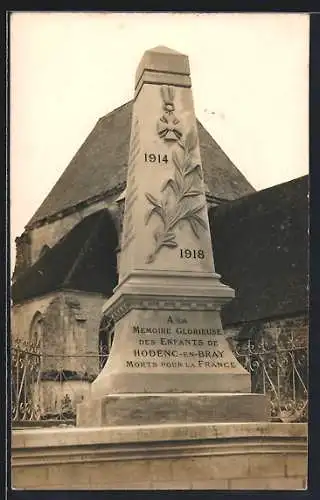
[165, 350]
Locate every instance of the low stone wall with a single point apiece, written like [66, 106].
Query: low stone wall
[194, 456]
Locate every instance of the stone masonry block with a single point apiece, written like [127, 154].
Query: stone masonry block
[125, 471]
[269, 465]
[286, 483]
[143, 485]
[248, 484]
[211, 467]
[71, 475]
[25, 478]
[297, 465]
[171, 485]
[229, 466]
[183, 469]
[212, 484]
[161, 469]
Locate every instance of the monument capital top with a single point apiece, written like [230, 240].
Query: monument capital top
[164, 60]
[165, 50]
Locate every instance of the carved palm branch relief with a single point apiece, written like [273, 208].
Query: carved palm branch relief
[186, 188]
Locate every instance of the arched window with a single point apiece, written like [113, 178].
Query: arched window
[36, 330]
[106, 333]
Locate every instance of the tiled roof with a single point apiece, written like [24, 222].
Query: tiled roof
[83, 260]
[261, 250]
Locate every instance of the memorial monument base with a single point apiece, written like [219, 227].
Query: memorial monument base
[169, 341]
[173, 408]
[170, 361]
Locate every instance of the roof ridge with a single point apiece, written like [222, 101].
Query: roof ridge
[263, 194]
[275, 186]
[73, 208]
[114, 111]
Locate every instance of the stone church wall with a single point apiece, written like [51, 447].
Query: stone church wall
[81, 316]
[68, 345]
[51, 232]
[71, 322]
[88, 319]
[23, 314]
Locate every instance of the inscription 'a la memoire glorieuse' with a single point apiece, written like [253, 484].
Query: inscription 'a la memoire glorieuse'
[186, 187]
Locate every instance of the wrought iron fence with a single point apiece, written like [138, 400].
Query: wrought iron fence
[278, 367]
[44, 390]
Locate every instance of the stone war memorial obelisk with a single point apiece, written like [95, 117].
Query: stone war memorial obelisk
[170, 361]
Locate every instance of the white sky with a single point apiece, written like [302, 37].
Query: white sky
[250, 85]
